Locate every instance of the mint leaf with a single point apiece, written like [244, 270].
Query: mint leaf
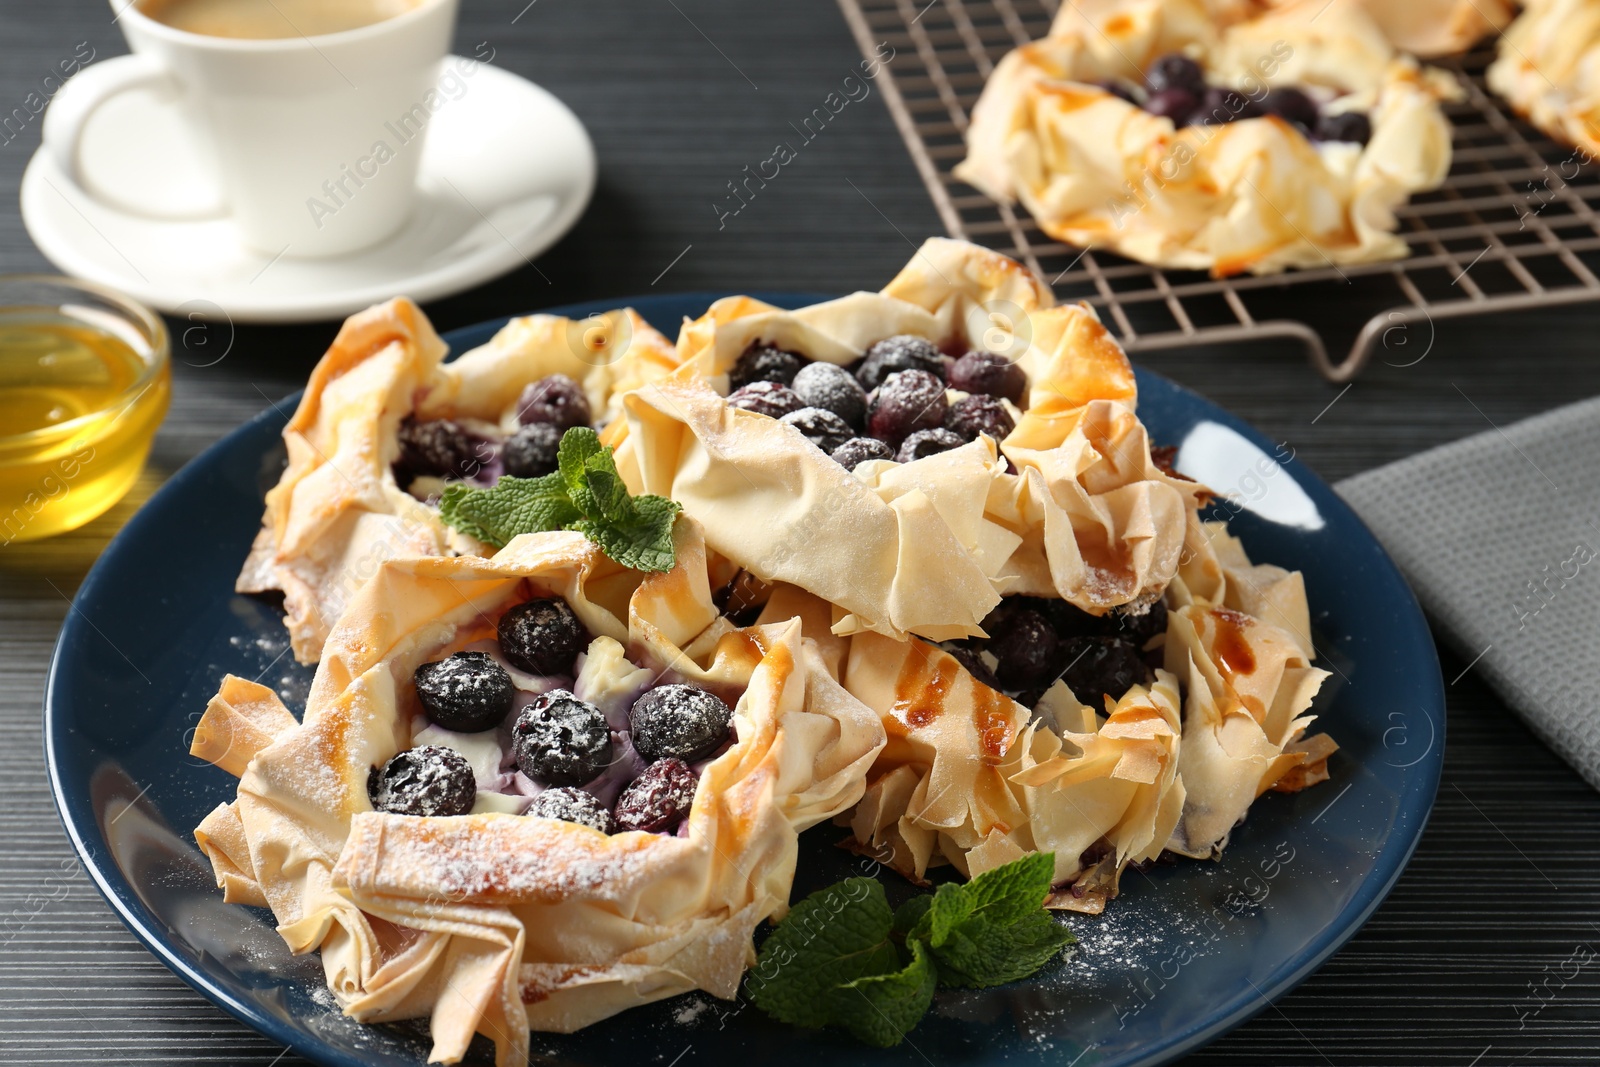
[607, 495]
[645, 541]
[834, 960]
[1006, 894]
[997, 955]
[828, 940]
[578, 446]
[994, 929]
[585, 494]
[881, 1008]
[908, 917]
[514, 506]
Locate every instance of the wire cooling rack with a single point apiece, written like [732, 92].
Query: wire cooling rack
[1507, 231]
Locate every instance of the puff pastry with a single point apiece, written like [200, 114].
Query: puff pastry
[1548, 70]
[492, 922]
[337, 511]
[930, 546]
[1253, 195]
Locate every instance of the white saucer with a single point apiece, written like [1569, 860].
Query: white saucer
[507, 169]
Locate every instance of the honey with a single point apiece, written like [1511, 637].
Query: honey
[82, 392]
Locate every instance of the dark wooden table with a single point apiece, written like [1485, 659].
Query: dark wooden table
[1463, 966]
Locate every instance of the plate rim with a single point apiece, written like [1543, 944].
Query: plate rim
[1415, 805]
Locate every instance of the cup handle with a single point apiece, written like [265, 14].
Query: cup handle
[72, 105]
[76, 102]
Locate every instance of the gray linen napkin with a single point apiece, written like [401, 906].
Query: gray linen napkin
[1499, 535]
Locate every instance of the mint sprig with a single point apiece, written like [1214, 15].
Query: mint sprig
[842, 958]
[992, 930]
[585, 494]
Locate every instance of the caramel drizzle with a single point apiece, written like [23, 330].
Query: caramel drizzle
[923, 689]
[1234, 655]
[991, 718]
[923, 685]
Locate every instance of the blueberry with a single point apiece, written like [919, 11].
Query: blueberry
[1029, 698]
[1071, 621]
[467, 692]
[1165, 457]
[764, 363]
[972, 660]
[1292, 105]
[858, 450]
[427, 780]
[1120, 89]
[1221, 106]
[542, 636]
[999, 618]
[1139, 629]
[1027, 649]
[1350, 126]
[772, 399]
[979, 414]
[832, 388]
[658, 799]
[925, 443]
[1098, 667]
[561, 740]
[531, 451]
[1066, 620]
[557, 399]
[1175, 104]
[1175, 71]
[572, 805]
[907, 401]
[743, 598]
[439, 449]
[1000, 615]
[990, 373]
[822, 428]
[680, 721]
[899, 353]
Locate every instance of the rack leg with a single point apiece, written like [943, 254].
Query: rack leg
[1390, 330]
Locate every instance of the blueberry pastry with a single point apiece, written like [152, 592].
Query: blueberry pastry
[1256, 138]
[1431, 28]
[384, 425]
[1548, 70]
[534, 790]
[1107, 740]
[963, 438]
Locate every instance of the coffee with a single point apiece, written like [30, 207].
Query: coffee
[268, 19]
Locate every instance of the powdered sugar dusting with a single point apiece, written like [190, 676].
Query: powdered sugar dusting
[495, 859]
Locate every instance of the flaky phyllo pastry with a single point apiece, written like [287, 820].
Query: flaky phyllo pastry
[1158, 130]
[1548, 70]
[490, 921]
[1102, 778]
[383, 421]
[1066, 504]
[1064, 656]
[1430, 28]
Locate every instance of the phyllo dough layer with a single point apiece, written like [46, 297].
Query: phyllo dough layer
[494, 923]
[1253, 195]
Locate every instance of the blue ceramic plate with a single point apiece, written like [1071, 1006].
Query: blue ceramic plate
[1188, 951]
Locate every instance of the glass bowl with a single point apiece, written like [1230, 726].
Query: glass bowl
[85, 379]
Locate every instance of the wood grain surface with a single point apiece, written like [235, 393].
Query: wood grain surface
[679, 96]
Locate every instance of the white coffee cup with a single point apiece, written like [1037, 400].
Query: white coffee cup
[314, 141]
